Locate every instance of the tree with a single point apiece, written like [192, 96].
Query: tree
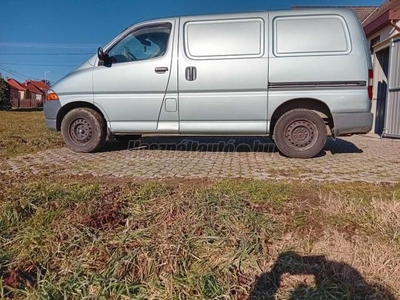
[5, 99]
[47, 82]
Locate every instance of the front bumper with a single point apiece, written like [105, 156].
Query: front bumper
[352, 123]
[51, 109]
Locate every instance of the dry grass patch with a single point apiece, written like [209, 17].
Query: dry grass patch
[377, 261]
[24, 132]
[365, 209]
[108, 238]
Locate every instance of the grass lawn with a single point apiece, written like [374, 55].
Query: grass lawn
[83, 237]
[24, 132]
[113, 238]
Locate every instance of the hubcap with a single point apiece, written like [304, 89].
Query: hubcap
[80, 131]
[301, 134]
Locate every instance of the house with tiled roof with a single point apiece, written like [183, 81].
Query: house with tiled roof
[40, 84]
[17, 92]
[28, 94]
[35, 92]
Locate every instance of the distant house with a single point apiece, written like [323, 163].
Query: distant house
[34, 92]
[17, 92]
[382, 28]
[41, 85]
[28, 94]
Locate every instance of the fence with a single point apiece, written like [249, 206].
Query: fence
[25, 103]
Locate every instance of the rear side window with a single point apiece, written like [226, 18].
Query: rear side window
[311, 35]
[224, 38]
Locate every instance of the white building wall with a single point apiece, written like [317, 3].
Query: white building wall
[384, 33]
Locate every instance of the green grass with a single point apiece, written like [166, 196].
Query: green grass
[88, 238]
[24, 132]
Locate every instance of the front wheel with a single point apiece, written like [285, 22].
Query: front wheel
[300, 133]
[83, 130]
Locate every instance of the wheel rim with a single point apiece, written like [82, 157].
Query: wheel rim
[80, 131]
[301, 134]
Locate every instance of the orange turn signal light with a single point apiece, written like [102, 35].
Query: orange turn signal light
[52, 96]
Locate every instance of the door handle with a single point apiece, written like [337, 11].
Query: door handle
[161, 70]
[191, 73]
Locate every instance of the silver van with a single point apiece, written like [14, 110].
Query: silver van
[297, 75]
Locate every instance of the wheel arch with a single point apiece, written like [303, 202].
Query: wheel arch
[316, 105]
[72, 105]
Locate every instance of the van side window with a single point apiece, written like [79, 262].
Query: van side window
[311, 35]
[219, 39]
[141, 44]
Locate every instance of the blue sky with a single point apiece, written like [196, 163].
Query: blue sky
[55, 36]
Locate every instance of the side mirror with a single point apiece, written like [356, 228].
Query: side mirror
[103, 57]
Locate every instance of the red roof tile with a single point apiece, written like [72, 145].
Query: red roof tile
[33, 88]
[393, 5]
[15, 84]
[362, 11]
[40, 84]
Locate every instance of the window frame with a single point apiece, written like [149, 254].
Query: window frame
[132, 31]
[311, 53]
[262, 39]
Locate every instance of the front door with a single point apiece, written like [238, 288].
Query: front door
[131, 85]
[223, 69]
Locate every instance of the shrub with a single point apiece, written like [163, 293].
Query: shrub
[5, 100]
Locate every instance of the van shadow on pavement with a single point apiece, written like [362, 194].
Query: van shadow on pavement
[219, 144]
[333, 280]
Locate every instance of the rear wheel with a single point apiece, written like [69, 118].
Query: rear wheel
[300, 133]
[83, 130]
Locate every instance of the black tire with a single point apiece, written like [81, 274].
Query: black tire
[300, 133]
[84, 130]
[127, 138]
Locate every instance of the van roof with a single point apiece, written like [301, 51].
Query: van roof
[296, 11]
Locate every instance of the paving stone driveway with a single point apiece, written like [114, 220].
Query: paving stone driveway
[358, 158]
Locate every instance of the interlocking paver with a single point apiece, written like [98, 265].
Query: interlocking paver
[357, 158]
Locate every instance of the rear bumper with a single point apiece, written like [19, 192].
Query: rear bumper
[51, 109]
[352, 123]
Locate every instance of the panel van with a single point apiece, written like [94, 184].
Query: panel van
[296, 75]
